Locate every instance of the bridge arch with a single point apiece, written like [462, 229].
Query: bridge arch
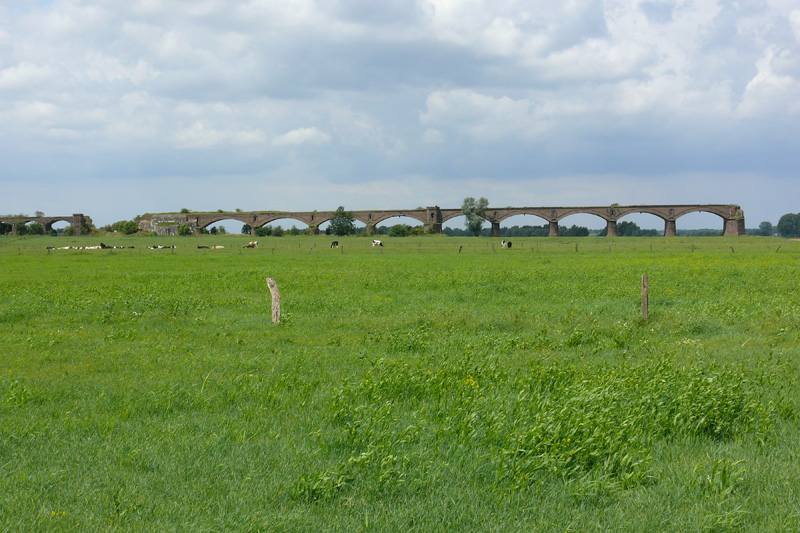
[77, 220]
[213, 219]
[434, 217]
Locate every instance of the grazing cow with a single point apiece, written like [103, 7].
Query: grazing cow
[252, 244]
[202, 247]
[161, 247]
[377, 243]
[335, 244]
[505, 244]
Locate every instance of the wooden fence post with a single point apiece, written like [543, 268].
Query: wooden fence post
[276, 300]
[645, 283]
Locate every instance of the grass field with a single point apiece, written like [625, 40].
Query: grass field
[437, 384]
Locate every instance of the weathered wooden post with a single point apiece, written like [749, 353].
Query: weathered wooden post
[276, 300]
[645, 283]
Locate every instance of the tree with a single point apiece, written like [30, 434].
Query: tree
[399, 230]
[474, 210]
[573, 231]
[789, 225]
[342, 222]
[127, 227]
[765, 229]
[34, 228]
[184, 230]
[246, 229]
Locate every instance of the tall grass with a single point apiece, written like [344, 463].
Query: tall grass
[436, 384]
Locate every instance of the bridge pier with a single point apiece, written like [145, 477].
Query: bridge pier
[433, 217]
[670, 230]
[496, 229]
[611, 228]
[553, 228]
[78, 221]
[734, 227]
[314, 229]
[433, 228]
[370, 229]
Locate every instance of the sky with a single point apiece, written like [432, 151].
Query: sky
[117, 108]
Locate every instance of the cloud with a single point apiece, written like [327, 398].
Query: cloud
[197, 136]
[453, 96]
[300, 136]
[770, 91]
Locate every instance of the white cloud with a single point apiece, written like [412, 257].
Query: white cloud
[198, 135]
[770, 92]
[433, 136]
[480, 117]
[794, 19]
[24, 76]
[301, 136]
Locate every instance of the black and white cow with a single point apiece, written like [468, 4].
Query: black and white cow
[335, 244]
[377, 243]
[505, 244]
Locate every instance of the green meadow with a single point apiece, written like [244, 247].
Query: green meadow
[434, 384]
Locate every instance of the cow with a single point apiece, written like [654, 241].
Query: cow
[161, 247]
[335, 244]
[377, 243]
[506, 244]
[217, 247]
[252, 244]
[202, 247]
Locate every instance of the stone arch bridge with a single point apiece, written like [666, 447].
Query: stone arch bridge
[78, 220]
[432, 218]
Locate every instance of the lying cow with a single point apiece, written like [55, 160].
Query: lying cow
[161, 247]
[252, 244]
[505, 244]
[335, 244]
[377, 243]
